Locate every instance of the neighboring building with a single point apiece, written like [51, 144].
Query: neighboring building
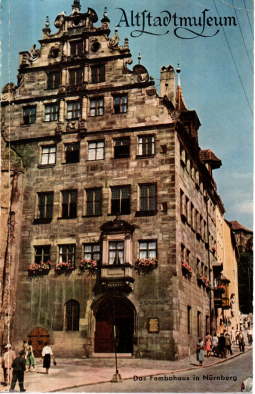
[244, 239]
[11, 190]
[119, 200]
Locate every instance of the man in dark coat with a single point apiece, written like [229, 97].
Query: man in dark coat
[222, 346]
[19, 367]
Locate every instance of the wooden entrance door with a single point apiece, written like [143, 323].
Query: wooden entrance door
[118, 312]
[39, 337]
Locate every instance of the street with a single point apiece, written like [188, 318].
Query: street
[224, 377]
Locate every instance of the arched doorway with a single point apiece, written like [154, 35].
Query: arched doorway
[114, 313]
[39, 337]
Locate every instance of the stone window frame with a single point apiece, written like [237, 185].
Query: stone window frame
[147, 250]
[53, 115]
[42, 254]
[150, 210]
[120, 103]
[72, 159]
[121, 150]
[96, 106]
[79, 49]
[75, 113]
[70, 253]
[128, 257]
[121, 199]
[29, 114]
[141, 144]
[91, 254]
[45, 146]
[67, 203]
[98, 141]
[47, 204]
[75, 76]
[98, 191]
[97, 73]
[54, 83]
[72, 311]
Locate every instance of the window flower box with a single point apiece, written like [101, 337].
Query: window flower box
[39, 269]
[146, 265]
[186, 267]
[89, 266]
[64, 267]
[220, 288]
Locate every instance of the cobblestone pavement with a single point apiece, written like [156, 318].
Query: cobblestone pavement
[70, 373]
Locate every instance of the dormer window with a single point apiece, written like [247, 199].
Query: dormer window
[77, 48]
[98, 73]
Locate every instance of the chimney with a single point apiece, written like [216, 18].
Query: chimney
[167, 83]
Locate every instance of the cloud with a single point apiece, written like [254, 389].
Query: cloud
[244, 207]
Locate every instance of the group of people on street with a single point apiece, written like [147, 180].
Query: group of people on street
[14, 366]
[220, 346]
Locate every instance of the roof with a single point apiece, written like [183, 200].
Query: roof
[208, 156]
[236, 226]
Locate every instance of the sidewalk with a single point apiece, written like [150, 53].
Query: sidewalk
[69, 373]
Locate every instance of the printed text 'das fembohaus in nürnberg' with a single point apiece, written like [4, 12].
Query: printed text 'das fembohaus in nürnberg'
[184, 27]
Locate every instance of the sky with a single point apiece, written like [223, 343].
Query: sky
[216, 71]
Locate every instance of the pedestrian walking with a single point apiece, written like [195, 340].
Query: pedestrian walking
[47, 353]
[19, 367]
[8, 359]
[215, 341]
[241, 342]
[200, 351]
[222, 346]
[237, 337]
[249, 336]
[30, 359]
[208, 344]
[228, 344]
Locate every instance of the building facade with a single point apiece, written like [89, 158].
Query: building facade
[118, 236]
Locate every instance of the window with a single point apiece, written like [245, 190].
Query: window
[54, 79]
[51, 112]
[69, 204]
[147, 197]
[183, 205]
[42, 254]
[72, 152]
[120, 104]
[121, 147]
[76, 77]
[98, 73]
[116, 252]
[199, 324]
[207, 324]
[67, 254]
[92, 251]
[72, 315]
[94, 202]
[120, 204]
[45, 205]
[76, 48]
[96, 150]
[189, 319]
[148, 249]
[146, 145]
[96, 106]
[29, 114]
[73, 110]
[48, 155]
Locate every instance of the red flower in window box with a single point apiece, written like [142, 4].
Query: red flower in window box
[64, 267]
[88, 265]
[186, 267]
[145, 265]
[39, 269]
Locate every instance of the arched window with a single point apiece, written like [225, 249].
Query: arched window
[72, 315]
